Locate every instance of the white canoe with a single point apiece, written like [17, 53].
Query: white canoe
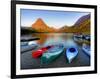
[71, 53]
[28, 47]
[86, 49]
[24, 43]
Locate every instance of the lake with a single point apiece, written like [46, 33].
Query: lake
[54, 38]
[27, 62]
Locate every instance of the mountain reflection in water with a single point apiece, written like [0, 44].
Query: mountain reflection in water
[54, 38]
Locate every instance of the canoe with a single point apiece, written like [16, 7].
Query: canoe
[71, 53]
[27, 39]
[24, 43]
[86, 49]
[26, 48]
[52, 54]
[87, 37]
[39, 52]
[78, 37]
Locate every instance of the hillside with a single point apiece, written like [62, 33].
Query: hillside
[27, 30]
[81, 26]
[41, 26]
[82, 19]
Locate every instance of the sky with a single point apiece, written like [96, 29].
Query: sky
[56, 19]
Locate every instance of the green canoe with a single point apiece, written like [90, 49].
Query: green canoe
[52, 54]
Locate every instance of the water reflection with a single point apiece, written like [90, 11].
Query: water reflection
[54, 38]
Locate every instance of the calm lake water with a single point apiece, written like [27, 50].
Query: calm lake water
[54, 38]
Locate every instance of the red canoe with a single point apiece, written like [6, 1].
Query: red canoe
[38, 53]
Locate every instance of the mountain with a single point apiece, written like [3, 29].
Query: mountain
[41, 26]
[82, 19]
[82, 25]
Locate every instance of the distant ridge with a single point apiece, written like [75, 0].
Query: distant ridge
[82, 25]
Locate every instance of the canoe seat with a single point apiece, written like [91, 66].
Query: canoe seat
[72, 50]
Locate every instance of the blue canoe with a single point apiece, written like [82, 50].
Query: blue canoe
[71, 53]
[52, 54]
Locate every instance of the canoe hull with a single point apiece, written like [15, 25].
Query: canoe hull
[50, 56]
[24, 43]
[28, 48]
[39, 52]
[71, 55]
[45, 59]
[86, 49]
